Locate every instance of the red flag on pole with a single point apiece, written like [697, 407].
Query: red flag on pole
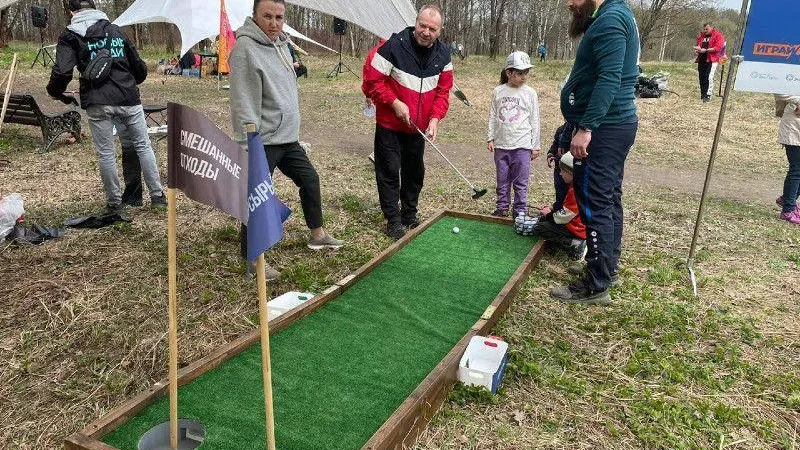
[226, 39]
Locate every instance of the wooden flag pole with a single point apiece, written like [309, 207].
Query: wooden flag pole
[263, 319]
[11, 74]
[173, 321]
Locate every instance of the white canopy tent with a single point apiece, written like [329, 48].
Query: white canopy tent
[7, 3]
[381, 17]
[199, 19]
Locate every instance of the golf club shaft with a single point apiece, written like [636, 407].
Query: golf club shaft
[442, 155]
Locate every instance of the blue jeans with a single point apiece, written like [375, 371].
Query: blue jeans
[102, 119]
[598, 189]
[792, 181]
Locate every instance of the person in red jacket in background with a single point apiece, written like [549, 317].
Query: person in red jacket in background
[409, 79]
[709, 49]
[563, 226]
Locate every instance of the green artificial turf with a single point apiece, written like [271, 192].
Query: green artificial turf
[340, 372]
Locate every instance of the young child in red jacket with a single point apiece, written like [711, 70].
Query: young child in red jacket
[563, 227]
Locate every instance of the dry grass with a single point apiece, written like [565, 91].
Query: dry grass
[82, 318]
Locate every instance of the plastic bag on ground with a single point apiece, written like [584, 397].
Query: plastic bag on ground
[34, 234]
[11, 209]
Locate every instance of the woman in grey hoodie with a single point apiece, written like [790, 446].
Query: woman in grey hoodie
[264, 92]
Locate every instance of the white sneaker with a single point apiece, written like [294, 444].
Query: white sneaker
[270, 273]
[326, 241]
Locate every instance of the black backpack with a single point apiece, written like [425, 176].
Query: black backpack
[99, 68]
[647, 88]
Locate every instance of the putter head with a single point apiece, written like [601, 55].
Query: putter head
[460, 95]
[478, 193]
[693, 279]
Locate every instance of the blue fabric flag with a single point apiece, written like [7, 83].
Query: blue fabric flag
[267, 213]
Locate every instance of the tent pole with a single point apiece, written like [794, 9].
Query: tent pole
[735, 60]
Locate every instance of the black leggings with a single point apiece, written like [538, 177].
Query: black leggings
[293, 162]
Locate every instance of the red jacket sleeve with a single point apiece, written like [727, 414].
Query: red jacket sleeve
[376, 80]
[367, 64]
[441, 103]
[364, 75]
[717, 40]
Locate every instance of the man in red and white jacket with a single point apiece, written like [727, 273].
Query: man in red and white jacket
[709, 49]
[409, 80]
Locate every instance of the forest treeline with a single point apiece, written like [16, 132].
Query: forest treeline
[667, 28]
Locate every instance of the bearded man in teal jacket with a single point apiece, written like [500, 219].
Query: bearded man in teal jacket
[597, 100]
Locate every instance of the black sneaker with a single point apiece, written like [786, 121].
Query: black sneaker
[118, 208]
[395, 230]
[132, 196]
[411, 223]
[500, 213]
[579, 270]
[577, 292]
[159, 202]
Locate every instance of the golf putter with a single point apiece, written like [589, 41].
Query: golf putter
[459, 94]
[476, 193]
[693, 278]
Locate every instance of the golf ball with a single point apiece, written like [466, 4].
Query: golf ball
[456, 230]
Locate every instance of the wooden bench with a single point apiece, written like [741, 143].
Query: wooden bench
[22, 109]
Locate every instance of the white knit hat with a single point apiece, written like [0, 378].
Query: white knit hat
[519, 61]
[566, 162]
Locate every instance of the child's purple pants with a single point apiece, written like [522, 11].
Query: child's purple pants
[513, 169]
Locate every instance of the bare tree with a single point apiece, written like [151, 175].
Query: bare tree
[3, 27]
[545, 15]
[496, 10]
[653, 12]
[668, 28]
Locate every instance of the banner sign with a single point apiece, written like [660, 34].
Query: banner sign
[267, 212]
[771, 49]
[205, 163]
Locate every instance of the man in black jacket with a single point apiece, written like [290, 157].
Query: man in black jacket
[110, 97]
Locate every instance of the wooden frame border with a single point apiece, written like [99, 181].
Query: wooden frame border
[408, 420]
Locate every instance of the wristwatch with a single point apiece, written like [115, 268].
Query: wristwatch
[584, 128]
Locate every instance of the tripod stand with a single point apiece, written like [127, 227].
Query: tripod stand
[340, 66]
[47, 58]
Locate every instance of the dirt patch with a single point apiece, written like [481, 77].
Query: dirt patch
[467, 158]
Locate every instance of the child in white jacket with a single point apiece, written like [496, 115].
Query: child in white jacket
[513, 133]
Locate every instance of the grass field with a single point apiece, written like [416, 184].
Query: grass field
[83, 318]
